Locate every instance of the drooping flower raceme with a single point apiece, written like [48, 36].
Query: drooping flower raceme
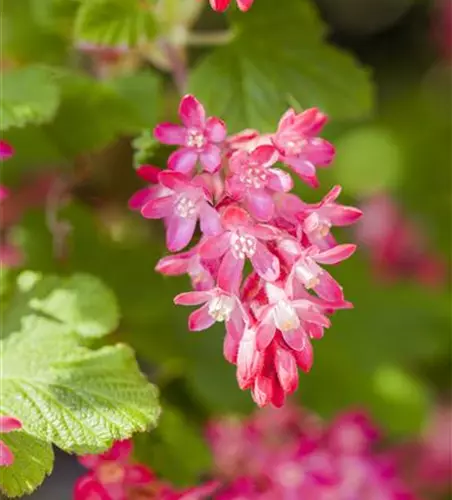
[258, 265]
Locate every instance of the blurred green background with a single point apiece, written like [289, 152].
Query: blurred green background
[381, 69]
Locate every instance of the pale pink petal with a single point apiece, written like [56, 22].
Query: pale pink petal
[158, 208]
[210, 158]
[175, 181]
[6, 151]
[209, 220]
[9, 424]
[320, 152]
[279, 180]
[137, 475]
[286, 370]
[173, 265]
[234, 216]
[264, 232]
[332, 195]
[179, 232]
[265, 263]
[328, 288]
[260, 204]
[168, 133]
[192, 298]
[235, 325]
[336, 254]
[305, 170]
[191, 112]
[230, 273]
[200, 319]
[295, 339]
[215, 129]
[215, 246]
[183, 160]
[6, 455]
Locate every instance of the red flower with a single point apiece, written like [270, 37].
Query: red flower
[222, 5]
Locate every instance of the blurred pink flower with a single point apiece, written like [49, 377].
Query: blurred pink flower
[222, 5]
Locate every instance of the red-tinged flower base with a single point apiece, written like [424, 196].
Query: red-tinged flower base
[113, 476]
[234, 190]
[288, 454]
[7, 424]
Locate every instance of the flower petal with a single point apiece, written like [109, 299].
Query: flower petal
[192, 112]
[260, 204]
[328, 288]
[265, 155]
[262, 391]
[149, 173]
[88, 487]
[173, 265]
[234, 216]
[215, 129]
[209, 220]
[9, 424]
[244, 5]
[305, 357]
[336, 254]
[169, 133]
[6, 151]
[286, 370]
[230, 349]
[200, 319]
[192, 298]
[230, 273]
[140, 198]
[6, 455]
[210, 158]
[137, 475]
[296, 339]
[183, 160]
[248, 359]
[158, 208]
[265, 333]
[220, 5]
[179, 232]
[215, 246]
[265, 263]
[279, 180]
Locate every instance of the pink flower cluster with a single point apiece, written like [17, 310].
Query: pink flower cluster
[114, 476]
[397, 246]
[235, 187]
[222, 5]
[286, 454]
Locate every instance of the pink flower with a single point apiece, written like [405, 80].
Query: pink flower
[253, 181]
[201, 272]
[186, 202]
[218, 306]
[199, 138]
[241, 239]
[318, 219]
[299, 148]
[246, 211]
[222, 5]
[111, 474]
[7, 424]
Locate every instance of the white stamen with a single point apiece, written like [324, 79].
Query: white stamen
[254, 176]
[195, 139]
[185, 207]
[221, 307]
[244, 246]
[285, 316]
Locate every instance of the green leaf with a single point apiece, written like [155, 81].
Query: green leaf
[81, 302]
[257, 88]
[29, 95]
[115, 22]
[33, 461]
[65, 393]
